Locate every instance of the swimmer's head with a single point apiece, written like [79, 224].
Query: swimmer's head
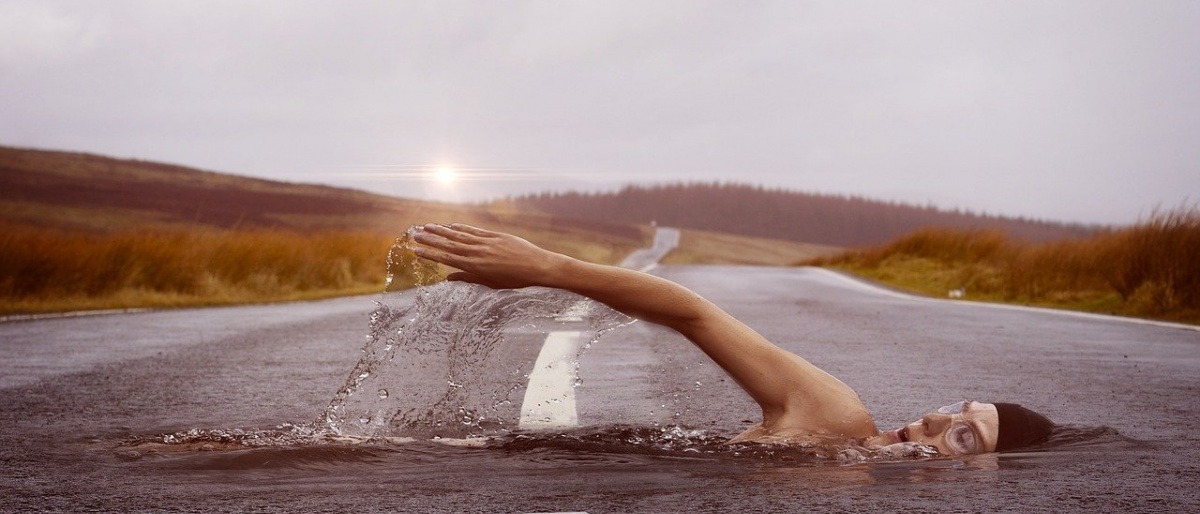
[961, 428]
[968, 427]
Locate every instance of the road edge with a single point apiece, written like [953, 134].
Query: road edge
[868, 286]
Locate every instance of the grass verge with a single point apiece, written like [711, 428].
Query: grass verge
[47, 270]
[1149, 270]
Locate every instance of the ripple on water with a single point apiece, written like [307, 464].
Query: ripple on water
[301, 447]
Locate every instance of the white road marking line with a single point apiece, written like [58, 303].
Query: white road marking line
[550, 395]
[1061, 312]
[72, 314]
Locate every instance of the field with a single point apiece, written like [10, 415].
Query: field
[1149, 270]
[83, 231]
[54, 270]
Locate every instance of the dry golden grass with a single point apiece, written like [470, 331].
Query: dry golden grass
[1151, 269]
[54, 270]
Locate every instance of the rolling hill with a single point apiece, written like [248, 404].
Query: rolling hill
[91, 193]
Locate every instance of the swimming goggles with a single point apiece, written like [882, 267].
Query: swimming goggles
[961, 437]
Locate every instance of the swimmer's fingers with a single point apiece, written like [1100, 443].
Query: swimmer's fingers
[460, 233]
[475, 231]
[440, 256]
[446, 242]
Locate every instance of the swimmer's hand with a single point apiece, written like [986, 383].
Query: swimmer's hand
[492, 259]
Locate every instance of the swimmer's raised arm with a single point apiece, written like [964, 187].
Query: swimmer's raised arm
[793, 393]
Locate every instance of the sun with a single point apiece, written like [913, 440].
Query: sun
[445, 175]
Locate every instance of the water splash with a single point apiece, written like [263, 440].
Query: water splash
[405, 268]
[679, 441]
[304, 444]
[457, 333]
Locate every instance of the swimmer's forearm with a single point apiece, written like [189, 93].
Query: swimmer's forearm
[635, 293]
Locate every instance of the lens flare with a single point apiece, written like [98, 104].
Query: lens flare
[445, 175]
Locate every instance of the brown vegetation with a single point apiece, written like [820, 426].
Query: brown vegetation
[84, 231]
[53, 270]
[1151, 269]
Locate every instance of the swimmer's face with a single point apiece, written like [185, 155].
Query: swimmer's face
[962, 428]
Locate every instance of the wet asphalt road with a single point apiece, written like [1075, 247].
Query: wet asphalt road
[76, 388]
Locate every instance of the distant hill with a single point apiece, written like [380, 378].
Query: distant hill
[778, 214]
[93, 193]
[98, 193]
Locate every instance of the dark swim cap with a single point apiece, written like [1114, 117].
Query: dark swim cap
[1020, 427]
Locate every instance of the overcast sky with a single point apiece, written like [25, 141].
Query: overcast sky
[1063, 110]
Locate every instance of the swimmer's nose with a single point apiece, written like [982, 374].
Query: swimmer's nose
[935, 423]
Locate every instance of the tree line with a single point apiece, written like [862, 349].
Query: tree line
[750, 210]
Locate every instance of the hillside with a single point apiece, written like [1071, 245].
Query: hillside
[778, 214]
[95, 194]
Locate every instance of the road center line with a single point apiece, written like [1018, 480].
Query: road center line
[550, 395]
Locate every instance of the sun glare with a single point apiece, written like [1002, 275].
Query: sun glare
[445, 175]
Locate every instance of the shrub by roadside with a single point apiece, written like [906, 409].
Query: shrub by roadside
[45, 270]
[1151, 269]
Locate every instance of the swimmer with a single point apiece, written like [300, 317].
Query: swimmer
[800, 402]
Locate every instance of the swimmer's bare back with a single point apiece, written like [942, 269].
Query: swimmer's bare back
[800, 402]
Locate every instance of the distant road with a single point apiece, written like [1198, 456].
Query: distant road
[645, 259]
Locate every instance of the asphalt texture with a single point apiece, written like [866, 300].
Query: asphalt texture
[79, 390]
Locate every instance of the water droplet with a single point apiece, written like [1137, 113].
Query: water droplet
[383, 394]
